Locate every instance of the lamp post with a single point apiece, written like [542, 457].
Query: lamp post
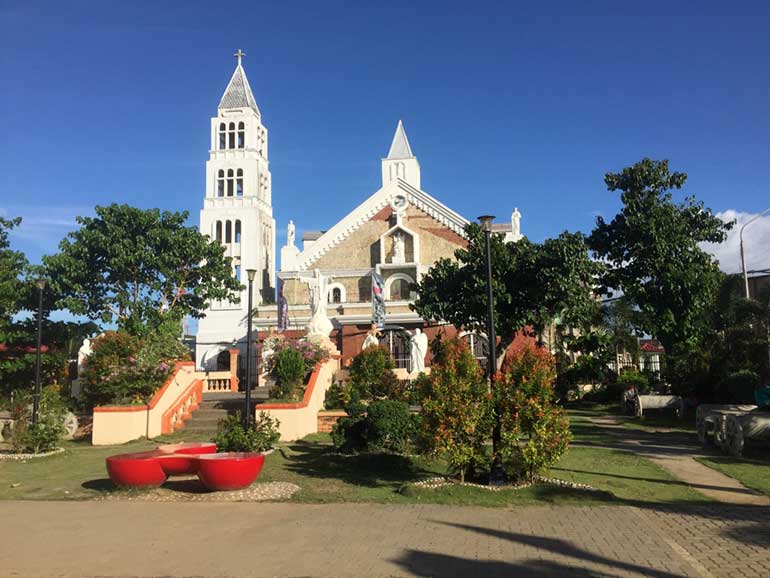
[496, 475]
[247, 413]
[743, 257]
[36, 398]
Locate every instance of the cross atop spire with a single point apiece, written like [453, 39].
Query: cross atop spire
[238, 92]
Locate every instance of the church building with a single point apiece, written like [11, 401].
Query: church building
[394, 236]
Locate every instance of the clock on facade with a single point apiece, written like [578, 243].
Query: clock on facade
[398, 203]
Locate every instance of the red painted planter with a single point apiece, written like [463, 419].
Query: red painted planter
[137, 470]
[229, 470]
[181, 459]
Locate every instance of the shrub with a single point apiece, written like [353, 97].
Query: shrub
[456, 409]
[289, 372]
[233, 437]
[124, 369]
[384, 425]
[739, 387]
[631, 378]
[535, 432]
[372, 377]
[337, 396]
[311, 353]
[46, 434]
[390, 426]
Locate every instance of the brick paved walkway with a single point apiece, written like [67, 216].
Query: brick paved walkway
[370, 540]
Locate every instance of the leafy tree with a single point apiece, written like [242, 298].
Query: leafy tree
[12, 266]
[456, 408]
[652, 254]
[139, 268]
[533, 284]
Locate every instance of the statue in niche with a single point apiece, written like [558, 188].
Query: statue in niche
[290, 233]
[399, 252]
[418, 350]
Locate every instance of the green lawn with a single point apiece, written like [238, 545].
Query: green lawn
[323, 476]
[753, 472]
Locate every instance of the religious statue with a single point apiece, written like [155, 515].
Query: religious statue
[319, 323]
[83, 353]
[418, 350]
[399, 255]
[290, 233]
[516, 223]
[371, 338]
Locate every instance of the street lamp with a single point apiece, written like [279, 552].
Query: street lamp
[743, 258]
[496, 475]
[36, 398]
[247, 413]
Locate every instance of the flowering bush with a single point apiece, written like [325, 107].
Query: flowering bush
[290, 364]
[123, 369]
[456, 409]
[535, 432]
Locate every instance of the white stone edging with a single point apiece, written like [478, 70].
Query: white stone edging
[19, 457]
[441, 481]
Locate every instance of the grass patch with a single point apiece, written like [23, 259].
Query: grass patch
[665, 422]
[752, 472]
[326, 477]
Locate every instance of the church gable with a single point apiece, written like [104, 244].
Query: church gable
[425, 240]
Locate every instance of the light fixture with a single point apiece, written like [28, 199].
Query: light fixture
[486, 222]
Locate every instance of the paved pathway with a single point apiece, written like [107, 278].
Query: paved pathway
[676, 452]
[111, 539]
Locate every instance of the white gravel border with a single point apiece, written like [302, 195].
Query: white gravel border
[442, 481]
[23, 457]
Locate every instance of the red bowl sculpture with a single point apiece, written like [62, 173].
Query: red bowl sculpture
[137, 470]
[229, 470]
[181, 459]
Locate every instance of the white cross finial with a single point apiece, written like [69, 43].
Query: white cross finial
[239, 55]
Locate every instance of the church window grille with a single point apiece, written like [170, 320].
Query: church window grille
[221, 183]
[336, 295]
[241, 135]
[397, 342]
[228, 231]
[238, 231]
[219, 231]
[479, 345]
[222, 136]
[230, 182]
[239, 183]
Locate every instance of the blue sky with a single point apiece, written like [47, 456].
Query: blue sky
[505, 104]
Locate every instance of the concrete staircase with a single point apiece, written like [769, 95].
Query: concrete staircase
[217, 406]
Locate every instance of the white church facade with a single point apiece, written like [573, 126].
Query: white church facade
[396, 234]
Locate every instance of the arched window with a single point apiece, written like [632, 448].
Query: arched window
[241, 135]
[230, 182]
[221, 183]
[228, 231]
[479, 345]
[219, 231]
[336, 291]
[398, 287]
[239, 183]
[222, 135]
[231, 136]
[237, 231]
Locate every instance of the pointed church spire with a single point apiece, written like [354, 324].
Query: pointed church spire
[238, 92]
[399, 148]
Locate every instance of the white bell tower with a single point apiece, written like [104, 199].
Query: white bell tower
[237, 212]
[400, 162]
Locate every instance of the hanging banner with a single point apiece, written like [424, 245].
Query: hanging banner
[283, 308]
[378, 300]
